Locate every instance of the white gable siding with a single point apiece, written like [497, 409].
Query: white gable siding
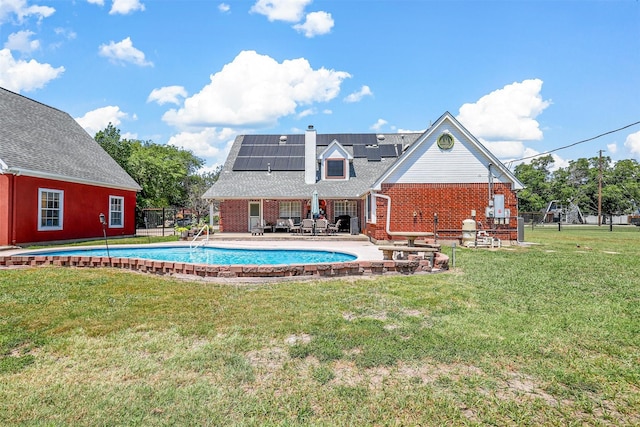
[334, 152]
[429, 164]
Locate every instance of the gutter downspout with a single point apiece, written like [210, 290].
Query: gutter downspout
[388, 199]
[12, 224]
[399, 233]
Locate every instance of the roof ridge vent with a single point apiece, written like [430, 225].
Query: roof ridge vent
[380, 137]
[283, 139]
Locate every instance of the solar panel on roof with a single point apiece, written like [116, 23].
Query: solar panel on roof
[346, 139]
[240, 164]
[280, 164]
[359, 151]
[373, 154]
[387, 150]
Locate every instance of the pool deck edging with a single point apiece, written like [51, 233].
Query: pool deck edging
[352, 268]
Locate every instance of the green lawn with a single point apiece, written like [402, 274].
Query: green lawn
[547, 334]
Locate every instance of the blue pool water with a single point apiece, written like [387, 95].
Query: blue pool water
[213, 256]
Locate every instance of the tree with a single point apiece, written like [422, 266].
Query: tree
[120, 149]
[197, 185]
[536, 178]
[621, 188]
[163, 171]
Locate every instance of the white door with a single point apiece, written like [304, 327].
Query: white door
[254, 214]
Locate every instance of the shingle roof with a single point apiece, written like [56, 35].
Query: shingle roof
[39, 140]
[291, 184]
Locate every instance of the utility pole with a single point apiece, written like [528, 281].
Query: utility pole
[600, 190]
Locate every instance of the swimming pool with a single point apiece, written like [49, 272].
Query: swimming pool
[212, 255]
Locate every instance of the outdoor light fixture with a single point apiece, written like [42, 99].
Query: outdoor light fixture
[104, 231]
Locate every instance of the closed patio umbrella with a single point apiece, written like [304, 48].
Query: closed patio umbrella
[315, 204]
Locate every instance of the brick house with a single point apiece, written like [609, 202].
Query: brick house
[55, 179]
[382, 183]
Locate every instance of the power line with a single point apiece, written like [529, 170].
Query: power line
[575, 143]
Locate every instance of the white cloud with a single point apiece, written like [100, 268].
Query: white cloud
[124, 7]
[530, 154]
[612, 148]
[98, 2]
[411, 131]
[127, 135]
[357, 96]
[210, 144]
[316, 24]
[20, 9]
[507, 114]
[123, 52]
[167, 94]
[99, 118]
[506, 149]
[379, 124]
[21, 42]
[305, 113]
[224, 7]
[19, 75]
[67, 34]
[632, 143]
[281, 10]
[256, 90]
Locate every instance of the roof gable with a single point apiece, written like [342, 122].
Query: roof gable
[38, 140]
[335, 150]
[466, 161]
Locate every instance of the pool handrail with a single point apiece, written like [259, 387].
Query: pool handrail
[203, 242]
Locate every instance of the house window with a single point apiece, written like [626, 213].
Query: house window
[291, 210]
[50, 212]
[116, 211]
[346, 207]
[335, 169]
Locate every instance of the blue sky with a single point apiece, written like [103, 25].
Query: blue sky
[524, 77]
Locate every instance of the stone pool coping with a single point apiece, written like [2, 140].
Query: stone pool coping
[359, 267]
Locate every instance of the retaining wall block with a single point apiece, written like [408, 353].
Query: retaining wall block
[200, 270]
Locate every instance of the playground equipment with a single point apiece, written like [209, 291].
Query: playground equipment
[556, 212]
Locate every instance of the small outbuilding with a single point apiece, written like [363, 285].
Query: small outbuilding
[55, 179]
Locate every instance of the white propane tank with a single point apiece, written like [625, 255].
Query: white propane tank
[468, 231]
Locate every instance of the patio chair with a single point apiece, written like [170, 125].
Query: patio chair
[258, 229]
[334, 228]
[294, 228]
[307, 226]
[322, 226]
[281, 224]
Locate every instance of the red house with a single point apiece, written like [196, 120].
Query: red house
[55, 179]
[384, 185]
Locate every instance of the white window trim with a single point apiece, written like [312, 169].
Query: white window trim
[61, 198]
[291, 205]
[345, 169]
[111, 225]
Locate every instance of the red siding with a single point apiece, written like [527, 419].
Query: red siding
[82, 207]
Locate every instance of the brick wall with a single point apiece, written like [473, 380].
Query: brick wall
[414, 205]
[234, 214]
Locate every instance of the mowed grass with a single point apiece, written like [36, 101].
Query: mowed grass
[547, 334]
